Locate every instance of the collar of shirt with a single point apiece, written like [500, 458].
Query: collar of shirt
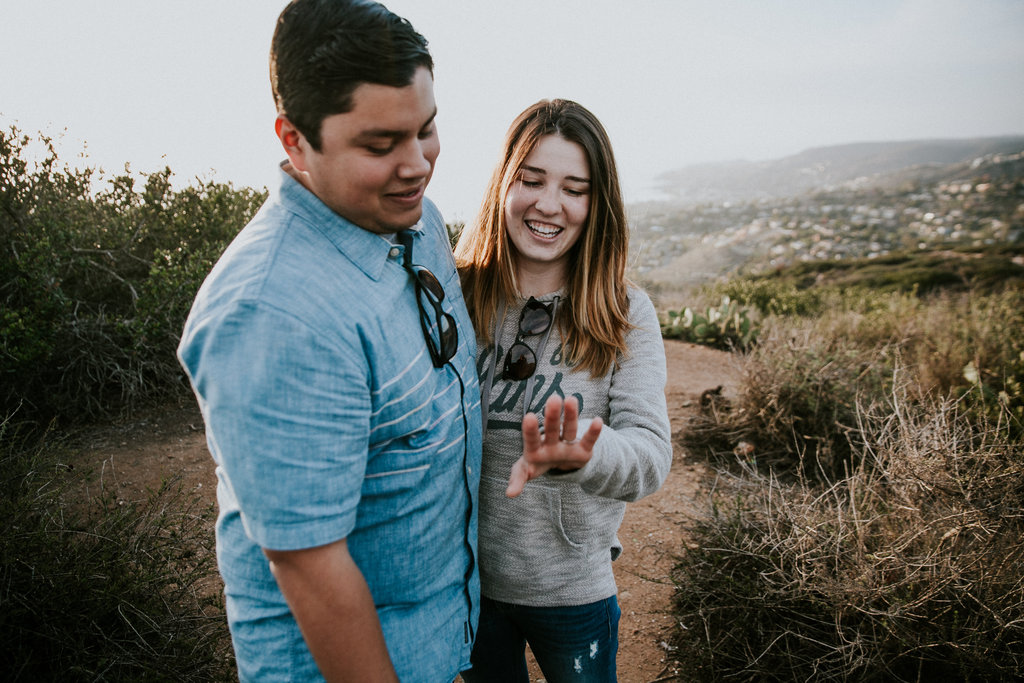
[367, 250]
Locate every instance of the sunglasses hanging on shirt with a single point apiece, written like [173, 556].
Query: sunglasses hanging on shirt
[438, 327]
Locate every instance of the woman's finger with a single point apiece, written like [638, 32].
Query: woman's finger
[531, 433]
[517, 480]
[589, 437]
[570, 419]
[552, 421]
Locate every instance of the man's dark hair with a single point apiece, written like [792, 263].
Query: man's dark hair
[324, 49]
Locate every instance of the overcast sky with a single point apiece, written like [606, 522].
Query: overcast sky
[676, 82]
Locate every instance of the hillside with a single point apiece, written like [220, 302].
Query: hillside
[871, 163]
[932, 204]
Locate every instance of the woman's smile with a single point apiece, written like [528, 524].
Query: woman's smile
[544, 230]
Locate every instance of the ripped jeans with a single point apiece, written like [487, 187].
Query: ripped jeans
[571, 644]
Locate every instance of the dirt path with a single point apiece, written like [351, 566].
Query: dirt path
[651, 534]
[133, 458]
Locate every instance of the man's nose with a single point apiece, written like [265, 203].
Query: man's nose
[415, 161]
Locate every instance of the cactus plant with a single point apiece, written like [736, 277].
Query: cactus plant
[725, 326]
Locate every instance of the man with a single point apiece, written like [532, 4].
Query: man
[333, 359]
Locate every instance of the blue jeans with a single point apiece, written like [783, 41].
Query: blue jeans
[575, 643]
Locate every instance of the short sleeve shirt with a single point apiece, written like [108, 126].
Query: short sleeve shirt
[328, 420]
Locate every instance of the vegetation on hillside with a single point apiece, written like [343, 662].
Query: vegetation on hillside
[867, 519]
[96, 277]
[941, 212]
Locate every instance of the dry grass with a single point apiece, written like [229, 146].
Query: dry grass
[102, 590]
[907, 569]
[873, 528]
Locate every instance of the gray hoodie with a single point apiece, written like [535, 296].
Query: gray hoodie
[554, 544]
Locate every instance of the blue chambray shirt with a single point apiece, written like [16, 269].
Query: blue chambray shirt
[327, 420]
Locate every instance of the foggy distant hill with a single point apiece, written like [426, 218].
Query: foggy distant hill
[861, 164]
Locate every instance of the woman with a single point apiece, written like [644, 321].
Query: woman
[563, 334]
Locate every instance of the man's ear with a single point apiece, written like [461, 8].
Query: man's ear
[294, 143]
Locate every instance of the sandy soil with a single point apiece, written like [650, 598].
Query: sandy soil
[133, 458]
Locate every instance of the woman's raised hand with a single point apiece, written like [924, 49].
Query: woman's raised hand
[559, 447]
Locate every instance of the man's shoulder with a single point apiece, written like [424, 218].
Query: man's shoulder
[269, 264]
[430, 208]
[251, 255]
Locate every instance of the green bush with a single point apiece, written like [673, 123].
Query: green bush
[995, 369]
[96, 279]
[454, 232]
[805, 376]
[96, 283]
[797, 408]
[772, 297]
[982, 270]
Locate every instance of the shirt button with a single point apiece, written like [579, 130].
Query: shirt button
[394, 252]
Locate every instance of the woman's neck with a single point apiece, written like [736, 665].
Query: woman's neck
[538, 281]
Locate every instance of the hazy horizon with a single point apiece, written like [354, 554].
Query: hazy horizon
[676, 83]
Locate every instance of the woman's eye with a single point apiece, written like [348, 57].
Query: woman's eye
[530, 183]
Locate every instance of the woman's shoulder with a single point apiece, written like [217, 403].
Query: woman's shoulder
[636, 293]
[641, 308]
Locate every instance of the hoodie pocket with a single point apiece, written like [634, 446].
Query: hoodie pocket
[528, 524]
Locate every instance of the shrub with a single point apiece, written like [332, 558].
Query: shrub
[961, 344]
[772, 297]
[805, 376]
[95, 285]
[797, 407]
[981, 269]
[96, 590]
[986, 342]
[454, 232]
[908, 569]
[867, 524]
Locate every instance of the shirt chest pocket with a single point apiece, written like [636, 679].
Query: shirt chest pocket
[396, 484]
[407, 476]
[404, 438]
[412, 411]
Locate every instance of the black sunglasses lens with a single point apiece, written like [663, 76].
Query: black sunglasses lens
[536, 318]
[449, 336]
[520, 362]
[441, 333]
[429, 282]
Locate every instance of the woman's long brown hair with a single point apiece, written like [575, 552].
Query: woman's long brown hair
[594, 322]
